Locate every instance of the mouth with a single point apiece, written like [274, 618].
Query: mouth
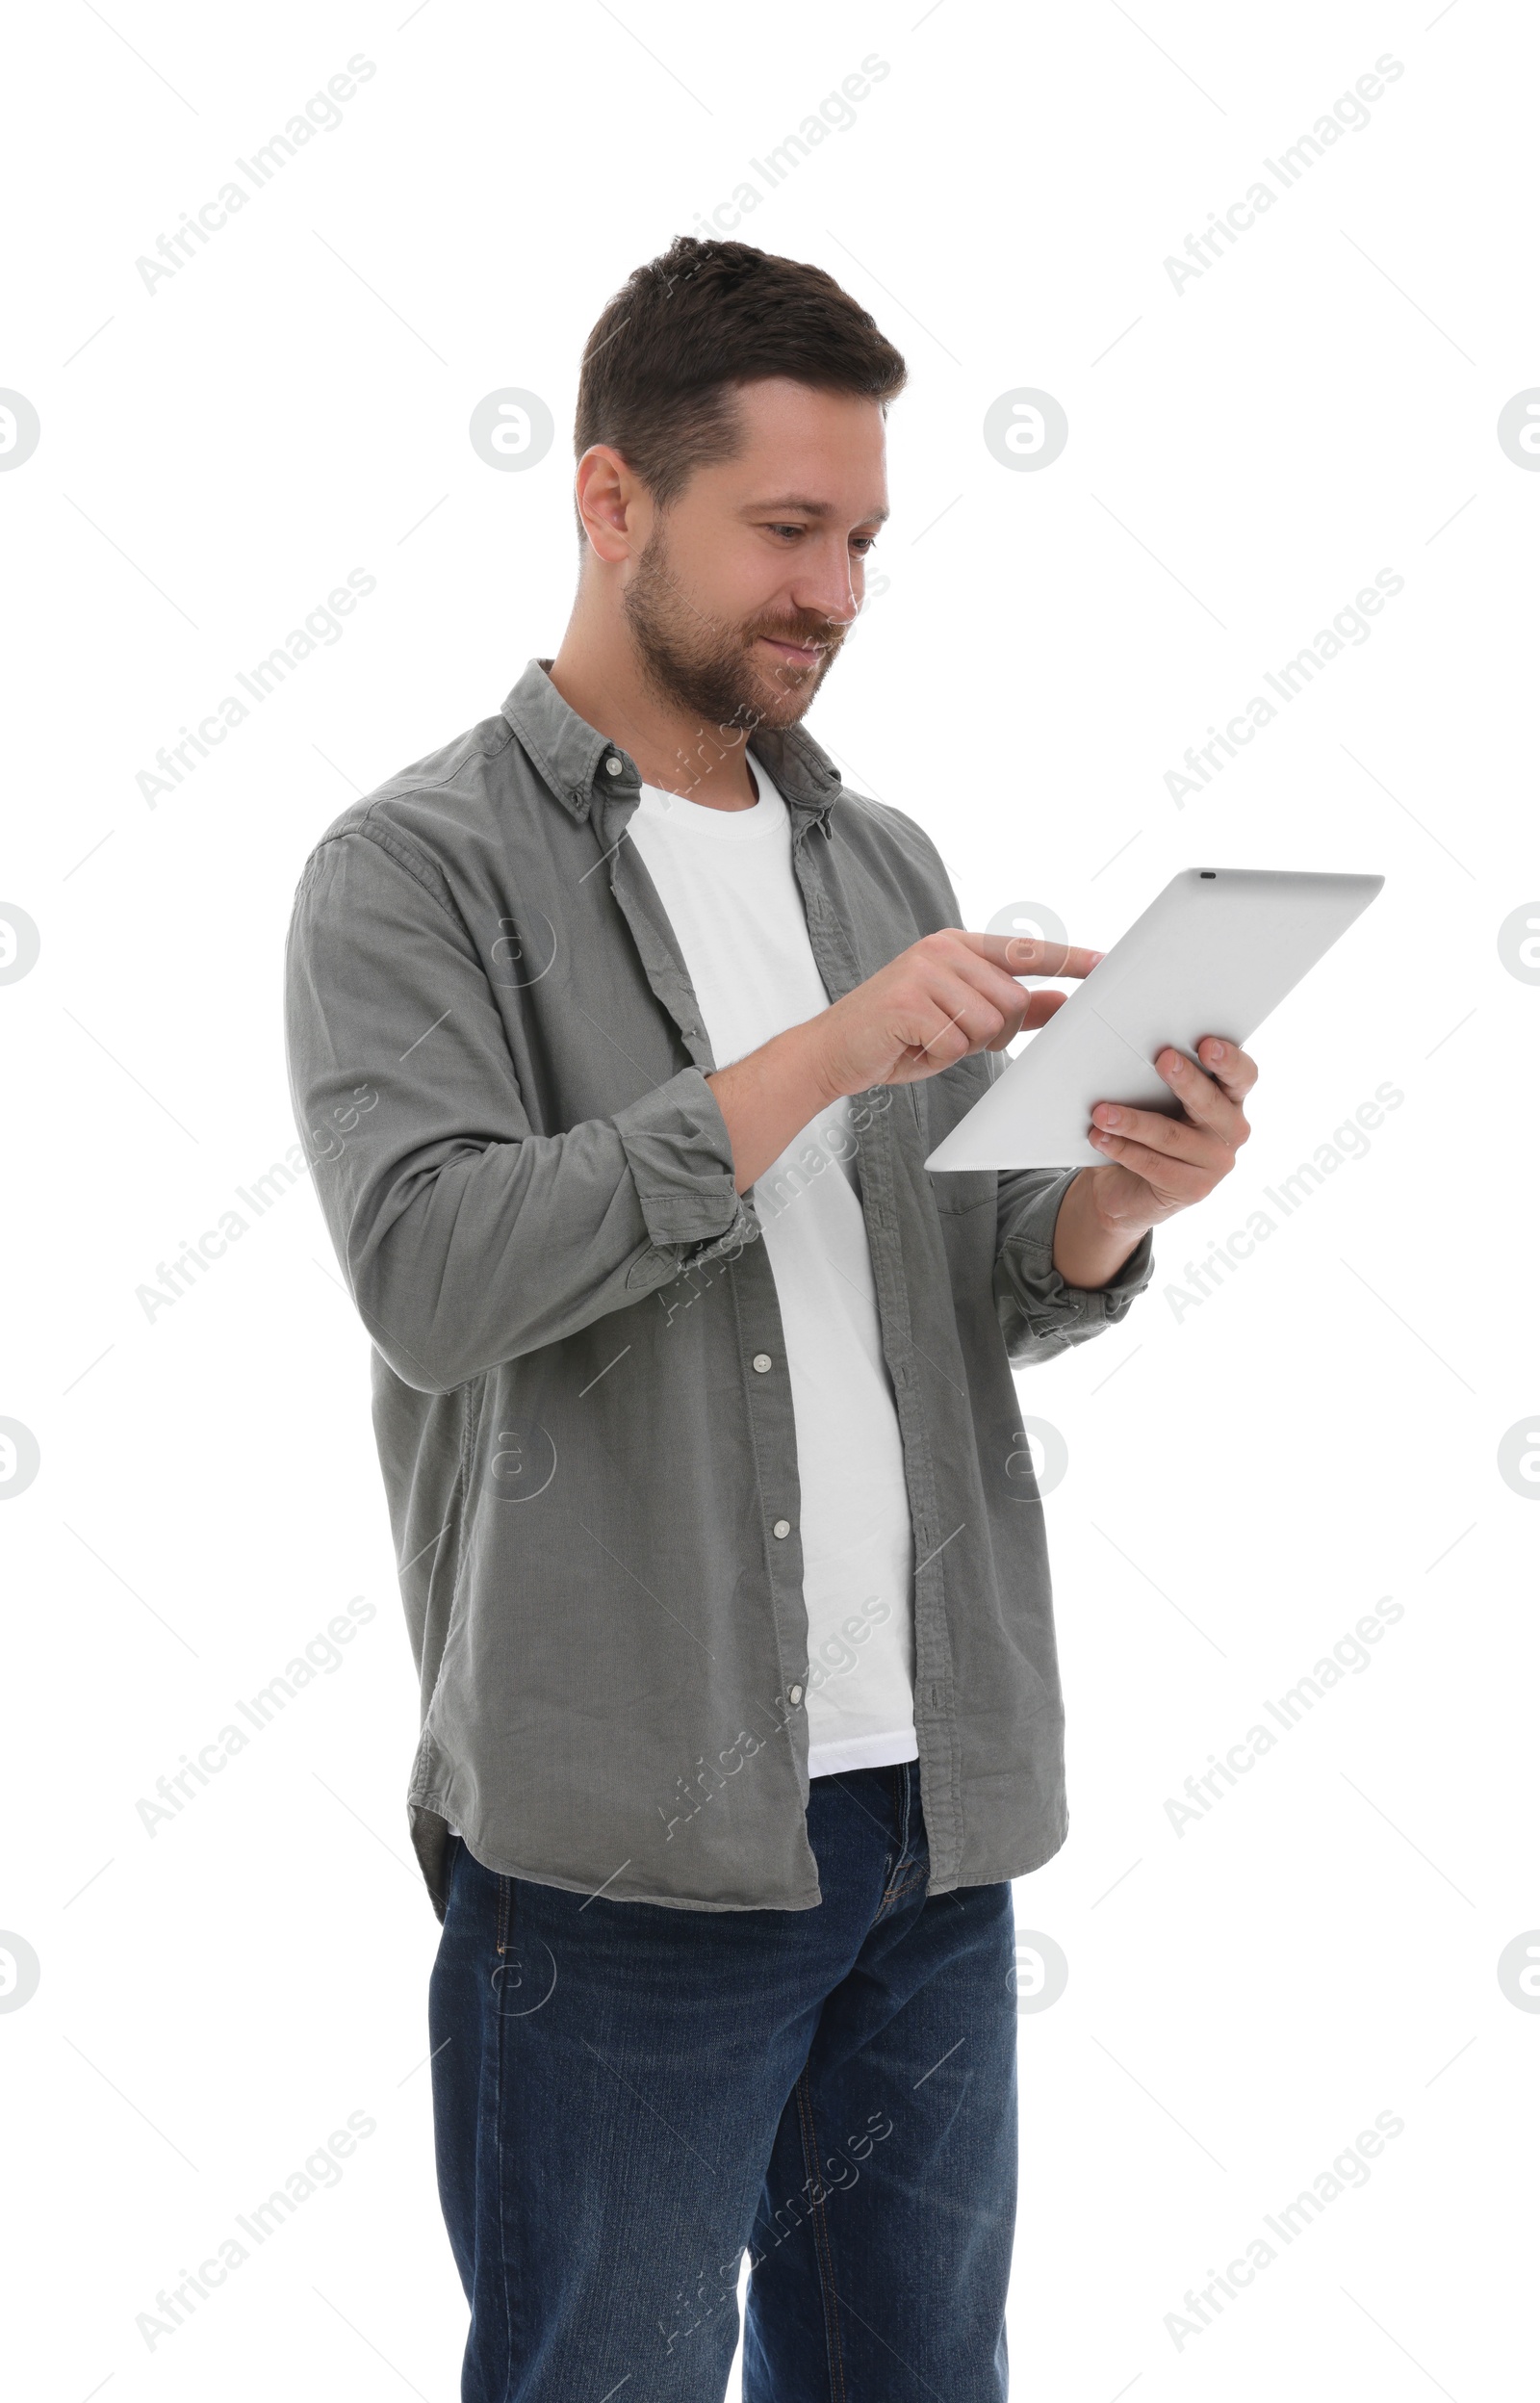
[800, 655]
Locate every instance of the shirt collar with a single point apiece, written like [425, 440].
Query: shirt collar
[570, 755]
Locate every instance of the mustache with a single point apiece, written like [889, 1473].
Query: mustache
[816, 632]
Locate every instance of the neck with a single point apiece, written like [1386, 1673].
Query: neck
[598, 673]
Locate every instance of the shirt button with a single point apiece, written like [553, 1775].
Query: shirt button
[762, 1362]
[781, 1527]
[793, 1694]
[612, 765]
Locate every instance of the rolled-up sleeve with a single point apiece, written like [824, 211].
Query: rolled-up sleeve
[1041, 1315]
[467, 1237]
[680, 1152]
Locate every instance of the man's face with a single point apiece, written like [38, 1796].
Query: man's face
[747, 584]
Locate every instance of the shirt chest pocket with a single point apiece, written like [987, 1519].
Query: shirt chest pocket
[938, 1103]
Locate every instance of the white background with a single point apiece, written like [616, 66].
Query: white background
[1244, 454]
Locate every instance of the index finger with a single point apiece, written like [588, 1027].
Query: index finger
[1025, 955]
[1233, 1071]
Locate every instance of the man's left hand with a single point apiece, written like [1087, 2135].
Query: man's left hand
[1155, 1165]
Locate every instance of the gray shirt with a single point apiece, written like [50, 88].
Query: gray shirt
[579, 1392]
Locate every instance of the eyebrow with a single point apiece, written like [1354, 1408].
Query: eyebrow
[815, 508]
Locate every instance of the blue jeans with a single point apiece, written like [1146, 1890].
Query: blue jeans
[627, 2096]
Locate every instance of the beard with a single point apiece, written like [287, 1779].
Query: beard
[698, 663]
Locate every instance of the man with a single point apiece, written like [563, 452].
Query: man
[619, 1032]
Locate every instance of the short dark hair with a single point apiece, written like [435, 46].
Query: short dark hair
[660, 366]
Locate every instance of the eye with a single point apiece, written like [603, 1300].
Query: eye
[792, 531]
[860, 544]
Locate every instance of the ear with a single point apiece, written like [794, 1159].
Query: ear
[612, 504]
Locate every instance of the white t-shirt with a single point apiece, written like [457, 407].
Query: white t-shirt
[725, 880]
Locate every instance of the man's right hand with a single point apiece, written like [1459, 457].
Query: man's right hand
[949, 995]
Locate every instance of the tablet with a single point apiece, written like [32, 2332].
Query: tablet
[1213, 954]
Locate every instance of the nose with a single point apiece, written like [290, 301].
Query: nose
[827, 585]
